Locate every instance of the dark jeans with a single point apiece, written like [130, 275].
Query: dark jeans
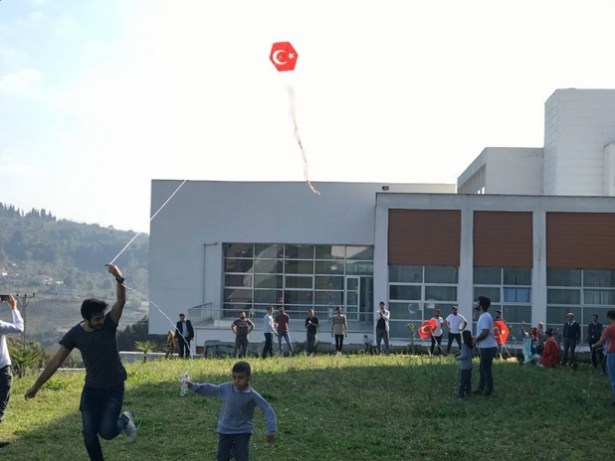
[451, 336]
[436, 340]
[382, 334]
[241, 346]
[233, 445]
[183, 347]
[465, 383]
[570, 344]
[597, 358]
[268, 349]
[100, 415]
[6, 380]
[311, 343]
[485, 382]
[339, 343]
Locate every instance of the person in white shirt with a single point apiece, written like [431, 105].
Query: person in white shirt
[456, 323]
[269, 330]
[436, 335]
[6, 378]
[382, 327]
[487, 346]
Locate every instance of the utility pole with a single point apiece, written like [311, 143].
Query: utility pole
[24, 299]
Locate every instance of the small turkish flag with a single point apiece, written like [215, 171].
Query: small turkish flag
[283, 56]
[427, 328]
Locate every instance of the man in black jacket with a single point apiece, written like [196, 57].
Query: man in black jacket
[594, 331]
[572, 335]
[184, 334]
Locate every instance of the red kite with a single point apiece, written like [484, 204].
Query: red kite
[426, 329]
[283, 56]
[500, 331]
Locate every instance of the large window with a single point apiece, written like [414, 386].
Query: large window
[510, 290]
[414, 293]
[581, 291]
[303, 276]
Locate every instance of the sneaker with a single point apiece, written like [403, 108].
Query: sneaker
[5, 444]
[130, 430]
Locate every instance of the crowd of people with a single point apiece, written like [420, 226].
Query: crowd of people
[103, 392]
[546, 348]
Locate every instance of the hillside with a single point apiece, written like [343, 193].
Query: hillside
[63, 262]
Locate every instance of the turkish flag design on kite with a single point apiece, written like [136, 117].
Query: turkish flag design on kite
[500, 331]
[427, 328]
[283, 56]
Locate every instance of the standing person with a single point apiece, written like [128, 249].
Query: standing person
[184, 334]
[437, 333]
[572, 335]
[171, 345]
[103, 392]
[465, 365]
[608, 334]
[6, 377]
[235, 423]
[311, 326]
[487, 346]
[339, 329]
[242, 327]
[455, 323]
[594, 331]
[382, 328]
[498, 318]
[550, 352]
[269, 330]
[282, 323]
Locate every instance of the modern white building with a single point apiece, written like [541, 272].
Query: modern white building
[578, 157]
[532, 228]
[219, 248]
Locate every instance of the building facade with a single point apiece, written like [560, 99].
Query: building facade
[531, 228]
[220, 248]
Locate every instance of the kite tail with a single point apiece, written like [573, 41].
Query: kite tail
[291, 97]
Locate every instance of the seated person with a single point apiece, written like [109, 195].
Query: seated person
[550, 354]
[529, 353]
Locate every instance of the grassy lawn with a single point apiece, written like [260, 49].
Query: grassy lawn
[351, 407]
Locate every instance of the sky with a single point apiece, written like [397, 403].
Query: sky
[100, 97]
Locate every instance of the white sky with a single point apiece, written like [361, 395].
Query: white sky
[99, 97]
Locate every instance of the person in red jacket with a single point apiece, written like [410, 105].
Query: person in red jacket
[550, 354]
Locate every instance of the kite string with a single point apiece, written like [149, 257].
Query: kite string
[150, 220]
[133, 239]
[152, 303]
[291, 97]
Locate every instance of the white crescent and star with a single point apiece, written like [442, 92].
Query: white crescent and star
[276, 57]
[282, 57]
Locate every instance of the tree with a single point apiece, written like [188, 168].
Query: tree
[26, 356]
[145, 347]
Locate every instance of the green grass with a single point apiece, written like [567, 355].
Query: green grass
[351, 407]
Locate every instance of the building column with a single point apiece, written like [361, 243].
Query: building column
[381, 251]
[465, 293]
[539, 272]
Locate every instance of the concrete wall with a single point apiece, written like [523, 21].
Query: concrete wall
[609, 170]
[578, 124]
[504, 170]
